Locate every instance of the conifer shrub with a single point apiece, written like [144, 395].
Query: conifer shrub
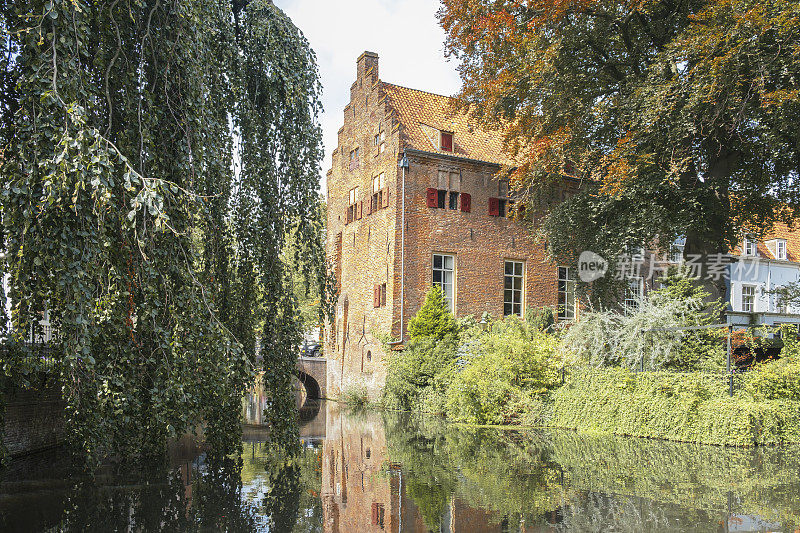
[418, 376]
[433, 319]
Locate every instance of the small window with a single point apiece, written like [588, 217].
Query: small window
[378, 185]
[748, 298]
[354, 160]
[678, 246]
[513, 288]
[781, 304]
[378, 515]
[444, 276]
[440, 198]
[780, 249]
[566, 294]
[749, 246]
[353, 205]
[447, 141]
[369, 355]
[380, 141]
[634, 293]
[502, 188]
[453, 200]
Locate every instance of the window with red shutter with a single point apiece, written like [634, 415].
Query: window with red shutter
[385, 198]
[466, 202]
[494, 207]
[432, 197]
[447, 141]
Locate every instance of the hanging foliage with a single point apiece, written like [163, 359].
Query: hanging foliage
[155, 155]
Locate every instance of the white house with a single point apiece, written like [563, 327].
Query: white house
[757, 269]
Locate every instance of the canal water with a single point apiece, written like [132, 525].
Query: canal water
[395, 472]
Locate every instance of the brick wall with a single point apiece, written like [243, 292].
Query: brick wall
[368, 251]
[34, 419]
[368, 246]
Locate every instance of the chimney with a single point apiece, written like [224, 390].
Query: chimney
[367, 61]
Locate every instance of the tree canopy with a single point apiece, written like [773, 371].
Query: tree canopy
[674, 117]
[155, 155]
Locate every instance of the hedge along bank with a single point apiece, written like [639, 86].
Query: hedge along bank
[690, 407]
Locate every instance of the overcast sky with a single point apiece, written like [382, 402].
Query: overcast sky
[404, 33]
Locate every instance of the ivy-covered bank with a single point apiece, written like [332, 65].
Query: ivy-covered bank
[691, 407]
[588, 377]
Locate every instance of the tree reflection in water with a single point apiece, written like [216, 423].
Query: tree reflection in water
[397, 472]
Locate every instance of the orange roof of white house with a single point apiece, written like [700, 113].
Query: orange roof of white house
[781, 231]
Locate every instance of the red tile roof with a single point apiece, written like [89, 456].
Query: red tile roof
[422, 115]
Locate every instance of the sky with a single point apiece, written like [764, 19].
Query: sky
[404, 33]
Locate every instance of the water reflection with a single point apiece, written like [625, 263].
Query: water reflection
[401, 473]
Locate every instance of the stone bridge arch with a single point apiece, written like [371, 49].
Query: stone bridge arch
[312, 373]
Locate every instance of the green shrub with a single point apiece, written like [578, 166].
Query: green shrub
[434, 318]
[512, 365]
[775, 380]
[420, 372]
[355, 396]
[542, 319]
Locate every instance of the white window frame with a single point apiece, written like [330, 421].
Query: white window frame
[749, 246]
[566, 287]
[780, 249]
[448, 287]
[634, 293]
[752, 298]
[678, 247]
[517, 293]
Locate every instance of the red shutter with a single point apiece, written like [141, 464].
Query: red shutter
[359, 210]
[385, 197]
[433, 197]
[466, 202]
[347, 216]
[494, 207]
[374, 514]
[447, 142]
[368, 208]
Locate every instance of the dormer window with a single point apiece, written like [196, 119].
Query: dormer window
[446, 141]
[749, 246]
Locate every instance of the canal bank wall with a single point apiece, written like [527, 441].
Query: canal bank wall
[33, 418]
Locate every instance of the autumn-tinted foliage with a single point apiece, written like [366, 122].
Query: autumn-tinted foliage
[679, 117]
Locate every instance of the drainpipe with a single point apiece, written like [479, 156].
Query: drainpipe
[403, 165]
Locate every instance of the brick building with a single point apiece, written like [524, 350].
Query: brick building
[394, 229]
